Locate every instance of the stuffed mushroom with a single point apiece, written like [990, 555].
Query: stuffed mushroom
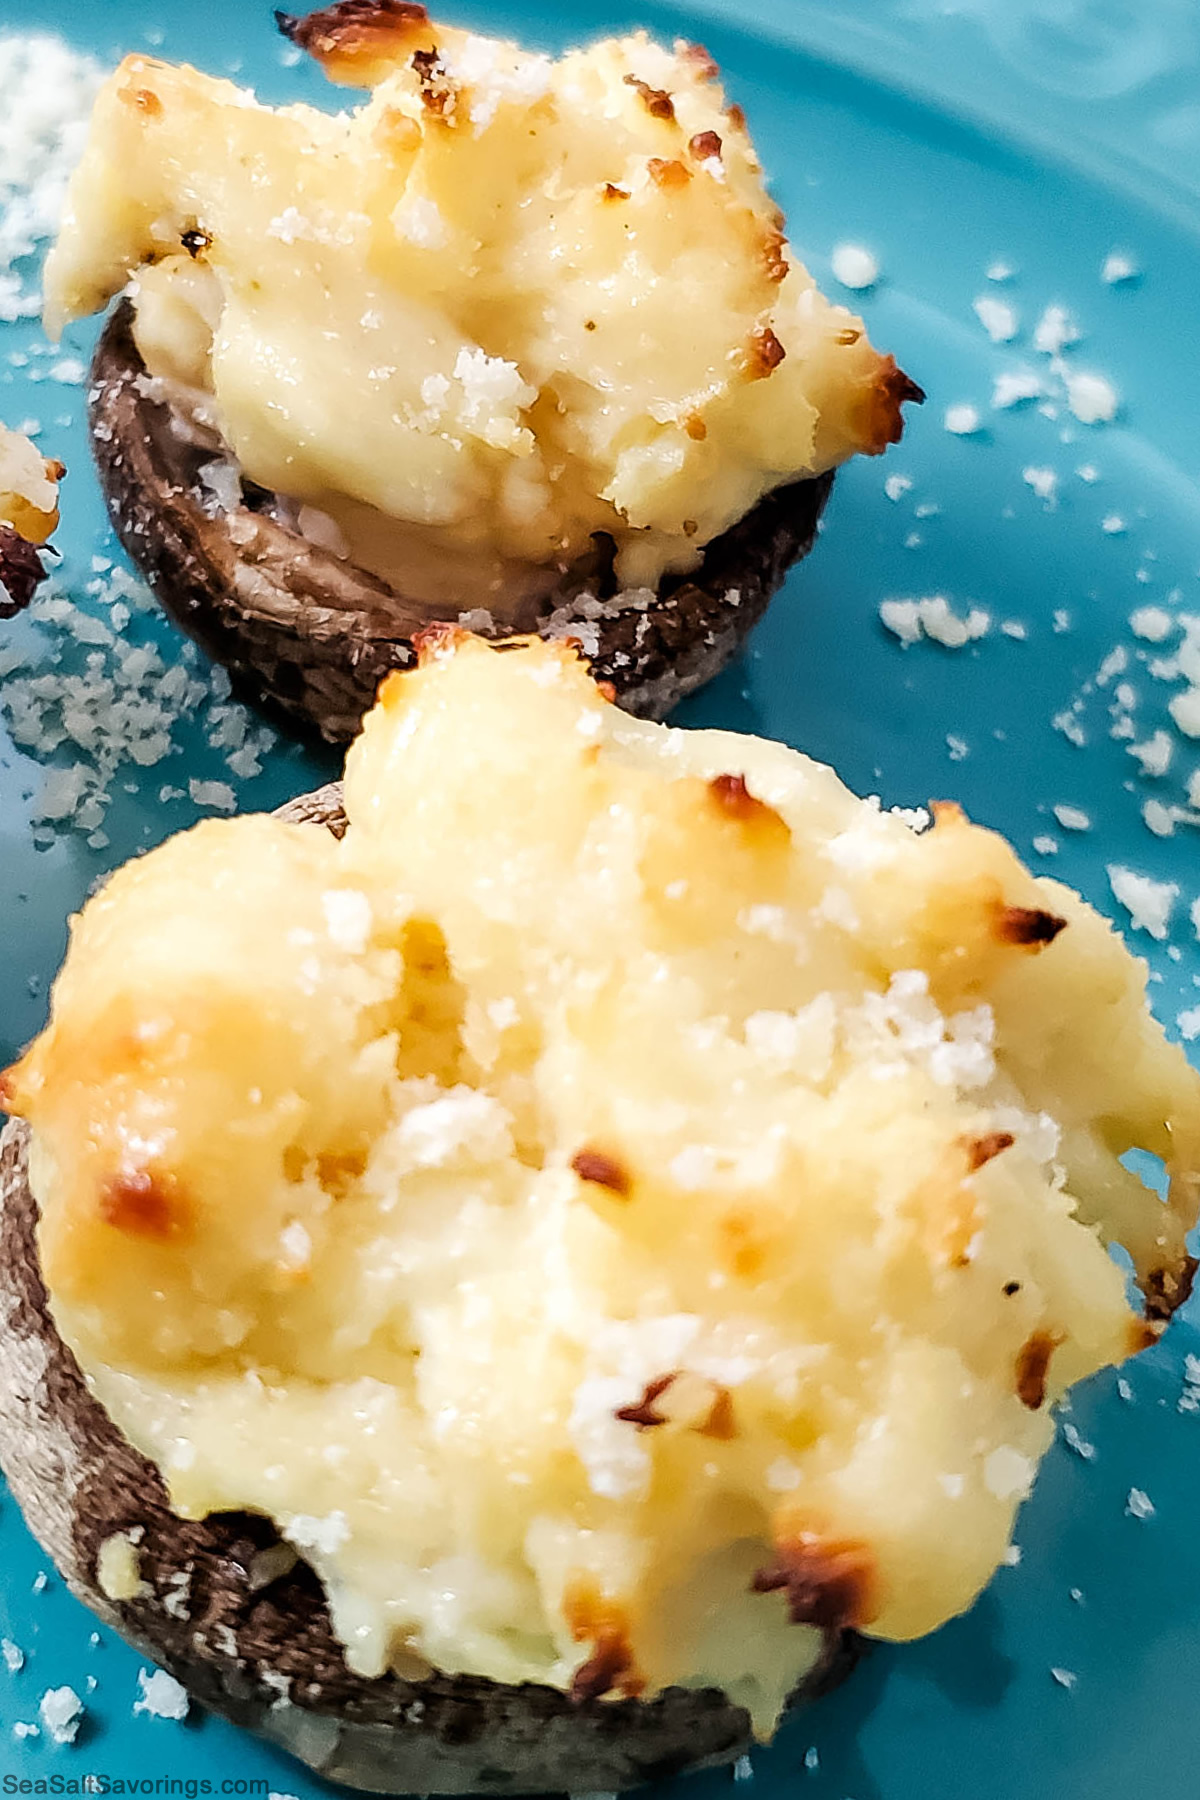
[518, 342]
[500, 1279]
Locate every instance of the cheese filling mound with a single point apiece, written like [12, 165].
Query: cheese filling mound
[504, 305]
[625, 1210]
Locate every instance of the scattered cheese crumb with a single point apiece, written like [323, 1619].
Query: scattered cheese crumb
[1066, 1678]
[1072, 818]
[743, 1769]
[1000, 271]
[1189, 1023]
[933, 617]
[1118, 268]
[1155, 754]
[1139, 1505]
[896, 486]
[961, 420]
[1054, 331]
[61, 1712]
[215, 794]
[14, 1656]
[1149, 903]
[997, 317]
[1014, 386]
[1112, 524]
[1046, 846]
[1044, 482]
[1091, 398]
[160, 1695]
[854, 267]
[1152, 623]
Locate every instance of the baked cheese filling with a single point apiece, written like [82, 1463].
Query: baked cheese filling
[503, 305]
[626, 1209]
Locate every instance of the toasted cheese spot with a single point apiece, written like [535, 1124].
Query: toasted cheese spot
[881, 420]
[981, 1150]
[776, 263]
[734, 800]
[438, 91]
[764, 355]
[144, 1203]
[1143, 1334]
[591, 1618]
[704, 145]
[1033, 1360]
[642, 1413]
[604, 1171]
[1011, 1288]
[720, 1423]
[848, 336]
[338, 1171]
[736, 117]
[1030, 927]
[145, 100]
[1167, 1289]
[701, 60]
[658, 102]
[356, 42]
[947, 814]
[741, 1246]
[697, 430]
[668, 174]
[828, 1582]
[195, 241]
[610, 191]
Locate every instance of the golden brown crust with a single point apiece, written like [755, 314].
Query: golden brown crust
[1033, 1362]
[657, 101]
[882, 422]
[603, 1170]
[356, 42]
[981, 1150]
[1030, 927]
[829, 1582]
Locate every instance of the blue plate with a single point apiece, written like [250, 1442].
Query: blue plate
[994, 150]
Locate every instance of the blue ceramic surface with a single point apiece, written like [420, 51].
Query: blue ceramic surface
[948, 136]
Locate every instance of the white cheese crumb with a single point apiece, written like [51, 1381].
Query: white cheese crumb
[896, 486]
[23, 1729]
[61, 1712]
[1152, 623]
[1155, 754]
[160, 1695]
[1000, 270]
[1012, 1557]
[1091, 398]
[743, 1769]
[1072, 818]
[1139, 1505]
[1112, 524]
[420, 222]
[854, 266]
[1044, 482]
[1088, 472]
[1066, 1678]
[1046, 846]
[1185, 710]
[1054, 331]
[934, 618]
[997, 317]
[217, 795]
[1074, 1440]
[1189, 1024]
[1014, 386]
[1118, 268]
[14, 1656]
[961, 420]
[1149, 903]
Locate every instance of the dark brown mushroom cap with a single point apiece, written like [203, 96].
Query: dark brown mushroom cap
[266, 1656]
[311, 636]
